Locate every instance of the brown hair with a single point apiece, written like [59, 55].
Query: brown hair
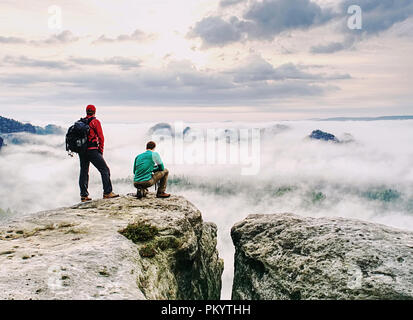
[150, 145]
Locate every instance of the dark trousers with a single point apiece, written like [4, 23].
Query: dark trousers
[93, 156]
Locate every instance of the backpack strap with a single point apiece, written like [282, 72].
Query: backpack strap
[87, 120]
[90, 120]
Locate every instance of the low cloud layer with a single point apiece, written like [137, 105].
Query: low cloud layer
[369, 179]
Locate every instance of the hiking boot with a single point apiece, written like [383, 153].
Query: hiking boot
[110, 196]
[139, 193]
[85, 199]
[163, 195]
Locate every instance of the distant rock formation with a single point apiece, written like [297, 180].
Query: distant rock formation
[284, 256]
[187, 130]
[1, 142]
[162, 129]
[167, 129]
[13, 126]
[49, 129]
[385, 118]
[112, 249]
[321, 135]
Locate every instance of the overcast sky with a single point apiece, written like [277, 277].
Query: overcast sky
[149, 60]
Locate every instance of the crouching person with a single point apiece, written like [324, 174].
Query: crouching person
[149, 170]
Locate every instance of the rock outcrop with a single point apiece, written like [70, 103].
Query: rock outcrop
[111, 249]
[162, 129]
[284, 256]
[324, 136]
[1, 142]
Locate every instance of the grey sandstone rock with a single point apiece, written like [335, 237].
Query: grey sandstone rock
[284, 256]
[78, 253]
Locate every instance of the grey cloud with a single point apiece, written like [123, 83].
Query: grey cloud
[261, 20]
[215, 31]
[295, 72]
[380, 15]
[259, 69]
[180, 83]
[333, 47]
[377, 16]
[122, 62]
[61, 38]
[268, 18]
[271, 17]
[12, 40]
[109, 89]
[23, 61]
[328, 48]
[227, 3]
[137, 35]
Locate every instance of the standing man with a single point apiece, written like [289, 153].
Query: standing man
[148, 170]
[94, 155]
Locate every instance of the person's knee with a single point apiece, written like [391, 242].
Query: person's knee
[104, 169]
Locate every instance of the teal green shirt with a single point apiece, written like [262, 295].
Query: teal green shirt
[145, 164]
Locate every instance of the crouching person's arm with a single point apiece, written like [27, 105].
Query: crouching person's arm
[158, 161]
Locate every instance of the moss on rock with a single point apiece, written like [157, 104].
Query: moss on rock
[139, 232]
[148, 250]
[169, 242]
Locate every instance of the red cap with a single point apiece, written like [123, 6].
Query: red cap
[90, 108]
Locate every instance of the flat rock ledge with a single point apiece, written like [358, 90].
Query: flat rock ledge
[79, 253]
[285, 256]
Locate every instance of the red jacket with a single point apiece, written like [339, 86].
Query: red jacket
[96, 134]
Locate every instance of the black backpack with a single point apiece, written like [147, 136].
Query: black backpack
[77, 136]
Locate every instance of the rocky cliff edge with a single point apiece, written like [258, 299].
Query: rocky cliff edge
[111, 249]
